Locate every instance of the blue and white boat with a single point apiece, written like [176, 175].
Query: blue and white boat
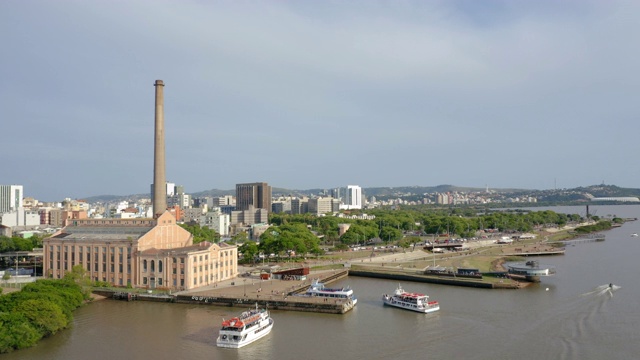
[318, 289]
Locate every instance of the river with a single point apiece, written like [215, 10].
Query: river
[563, 317]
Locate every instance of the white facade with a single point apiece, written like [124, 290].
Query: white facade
[122, 205]
[11, 197]
[353, 198]
[20, 217]
[171, 189]
[216, 220]
[125, 215]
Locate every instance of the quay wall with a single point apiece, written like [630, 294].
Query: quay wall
[291, 300]
[291, 304]
[294, 303]
[429, 279]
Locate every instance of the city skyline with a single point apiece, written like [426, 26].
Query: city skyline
[532, 95]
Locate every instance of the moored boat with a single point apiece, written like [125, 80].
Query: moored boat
[318, 289]
[411, 301]
[243, 330]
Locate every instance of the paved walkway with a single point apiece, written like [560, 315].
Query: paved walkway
[255, 288]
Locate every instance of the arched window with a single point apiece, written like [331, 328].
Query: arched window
[159, 265]
[144, 265]
[153, 266]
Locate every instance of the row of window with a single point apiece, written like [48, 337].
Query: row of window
[65, 266]
[121, 250]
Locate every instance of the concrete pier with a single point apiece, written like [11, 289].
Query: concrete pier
[433, 279]
[246, 292]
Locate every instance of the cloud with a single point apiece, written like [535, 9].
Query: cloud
[304, 94]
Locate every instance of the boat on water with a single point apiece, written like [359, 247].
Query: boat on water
[243, 330]
[318, 289]
[411, 301]
[634, 235]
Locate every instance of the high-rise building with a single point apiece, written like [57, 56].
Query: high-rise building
[250, 216]
[216, 220]
[10, 197]
[322, 205]
[352, 198]
[257, 195]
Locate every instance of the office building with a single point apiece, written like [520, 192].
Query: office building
[257, 195]
[10, 197]
[321, 206]
[352, 198]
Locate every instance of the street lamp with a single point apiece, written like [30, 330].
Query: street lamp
[244, 287]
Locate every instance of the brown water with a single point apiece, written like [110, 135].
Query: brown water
[570, 320]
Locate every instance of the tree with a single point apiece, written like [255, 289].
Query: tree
[78, 275]
[240, 237]
[388, 234]
[45, 315]
[281, 240]
[411, 241]
[40, 309]
[249, 251]
[16, 332]
[201, 233]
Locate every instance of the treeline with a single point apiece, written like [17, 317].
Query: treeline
[39, 310]
[599, 226]
[286, 240]
[19, 244]
[392, 225]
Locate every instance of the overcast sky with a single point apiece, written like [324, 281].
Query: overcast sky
[319, 94]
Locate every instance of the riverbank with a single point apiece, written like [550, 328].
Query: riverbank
[486, 256]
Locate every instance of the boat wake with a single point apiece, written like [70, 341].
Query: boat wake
[574, 319]
[585, 324]
[603, 290]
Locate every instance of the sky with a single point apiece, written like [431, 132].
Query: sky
[318, 94]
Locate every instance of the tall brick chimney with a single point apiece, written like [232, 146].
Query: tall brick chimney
[159, 168]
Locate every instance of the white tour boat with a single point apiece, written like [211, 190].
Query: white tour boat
[411, 301]
[243, 330]
[318, 289]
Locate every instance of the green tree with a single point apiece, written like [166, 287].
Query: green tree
[44, 314]
[201, 233]
[16, 332]
[249, 251]
[79, 275]
[389, 234]
[240, 237]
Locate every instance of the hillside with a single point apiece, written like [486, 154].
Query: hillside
[548, 196]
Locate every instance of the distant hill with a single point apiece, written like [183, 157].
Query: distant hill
[555, 195]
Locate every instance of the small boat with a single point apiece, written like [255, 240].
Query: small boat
[634, 235]
[318, 289]
[411, 301]
[243, 330]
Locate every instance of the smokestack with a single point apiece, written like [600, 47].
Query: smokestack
[159, 175]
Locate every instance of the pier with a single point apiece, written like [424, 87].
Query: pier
[272, 294]
[588, 238]
[442, 279]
